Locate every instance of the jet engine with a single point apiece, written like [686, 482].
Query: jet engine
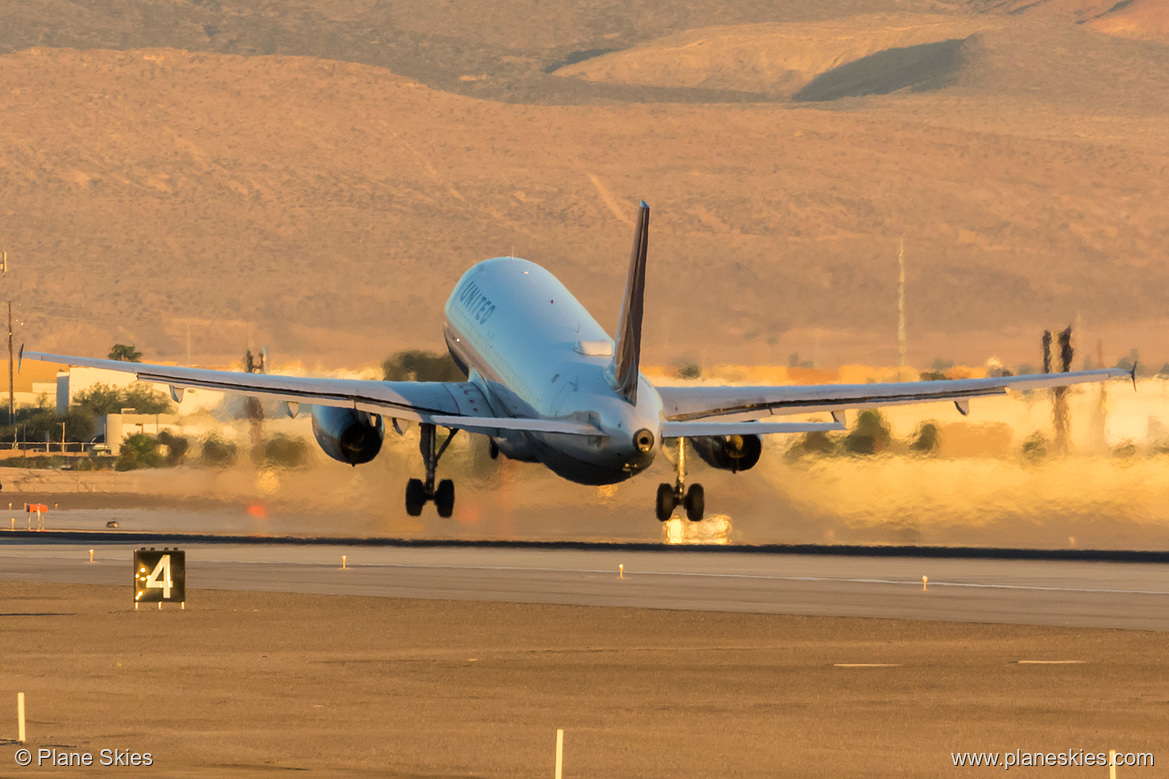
[347, 435]
[729, 452]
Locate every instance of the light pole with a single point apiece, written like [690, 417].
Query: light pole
[11, 367]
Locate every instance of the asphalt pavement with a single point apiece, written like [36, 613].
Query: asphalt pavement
[1038, 592]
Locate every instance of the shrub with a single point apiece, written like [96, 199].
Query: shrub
[216, 452]
[139, 451]
[282, 451]
[1035, 447]
[815, 443]
[870, 435]
[176, 447]
[927, 439]
[421, 365]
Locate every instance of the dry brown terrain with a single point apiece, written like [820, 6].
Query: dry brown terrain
[324, 207]
[244, 684]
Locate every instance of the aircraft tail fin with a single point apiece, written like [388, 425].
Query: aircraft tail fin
[625, 370]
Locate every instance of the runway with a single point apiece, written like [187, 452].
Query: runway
[1019, 591]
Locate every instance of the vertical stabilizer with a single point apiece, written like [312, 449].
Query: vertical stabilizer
[627, 355]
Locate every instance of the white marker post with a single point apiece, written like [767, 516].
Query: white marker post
[342, 562]
[20, 717]
[91, 555]
[559, 751]
[621, 571]
[924, 582]
[1112, 764]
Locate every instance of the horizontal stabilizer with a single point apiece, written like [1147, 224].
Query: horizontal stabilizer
[695, 429]
[475, 424]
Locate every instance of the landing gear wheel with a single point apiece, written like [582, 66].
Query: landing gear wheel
[492, 448]
[416, 497]
[695, 503]
[444, 498]
[665, 502]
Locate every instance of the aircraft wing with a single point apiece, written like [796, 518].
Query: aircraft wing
[689, 404]
[720, 427]
[449, 404]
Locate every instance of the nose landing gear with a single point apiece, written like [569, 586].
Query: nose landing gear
[670, 497]
[418, 492]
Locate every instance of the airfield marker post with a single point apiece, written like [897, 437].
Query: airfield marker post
[91, 555]
[924, 582]
[1112, 764]
[343, 562]
[621, 571]
[559, 752]
[20, 717]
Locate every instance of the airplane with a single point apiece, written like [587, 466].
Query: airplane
[546, 384]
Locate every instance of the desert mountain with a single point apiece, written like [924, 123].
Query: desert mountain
[324, 207]
[772, 59]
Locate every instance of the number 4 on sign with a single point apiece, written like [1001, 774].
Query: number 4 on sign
[162, 569]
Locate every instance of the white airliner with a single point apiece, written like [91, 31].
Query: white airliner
[546, 384]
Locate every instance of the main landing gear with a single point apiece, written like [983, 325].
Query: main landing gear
[669, 498]
[418, 491]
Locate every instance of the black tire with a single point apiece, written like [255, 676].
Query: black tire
[665, 503]
[492, 448]
[415, 497]
[695, 503]
[444, 498]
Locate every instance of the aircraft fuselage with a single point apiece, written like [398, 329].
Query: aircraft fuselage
[537, 353]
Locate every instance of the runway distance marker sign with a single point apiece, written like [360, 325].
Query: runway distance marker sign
[160, 576]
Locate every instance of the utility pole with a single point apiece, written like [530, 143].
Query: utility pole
[11, 370]
[902, 340]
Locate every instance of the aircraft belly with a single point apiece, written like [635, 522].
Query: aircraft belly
[573, 462]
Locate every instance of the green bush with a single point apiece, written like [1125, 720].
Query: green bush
[139, 451]
[176, 447]
[216, 452]
[421, 365]
[282, 451]
[927, 439]
[813, 444]
[870, 435]
[34, 461]
[1125, 449]
[1035, 447]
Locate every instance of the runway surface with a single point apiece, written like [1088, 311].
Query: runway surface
[1039, 592]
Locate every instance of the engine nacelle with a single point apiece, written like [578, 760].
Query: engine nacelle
[729, 452]
[346, 435]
